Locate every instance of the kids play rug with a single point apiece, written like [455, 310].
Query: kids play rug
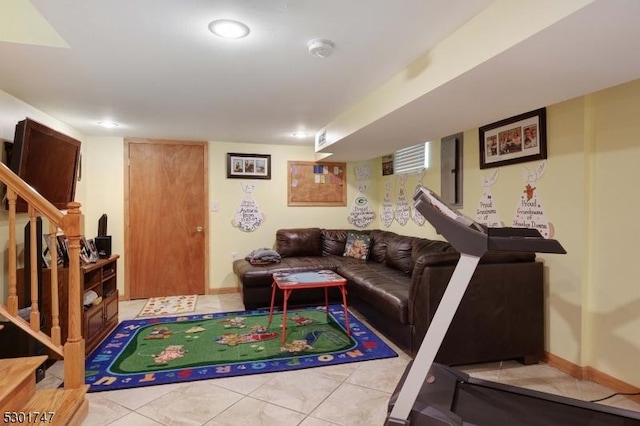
[154, 351]
[169, 305]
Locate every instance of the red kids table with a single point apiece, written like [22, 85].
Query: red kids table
[289, 281]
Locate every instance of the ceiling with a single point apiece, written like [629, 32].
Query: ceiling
[153, 67]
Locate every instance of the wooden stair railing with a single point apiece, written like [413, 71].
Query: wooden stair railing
[72, 350]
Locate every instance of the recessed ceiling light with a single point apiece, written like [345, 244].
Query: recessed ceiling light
[300, 135]
[108, 124]
[228, 28]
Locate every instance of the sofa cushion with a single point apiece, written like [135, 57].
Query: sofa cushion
[379, 240]
[384, 288]
[357, 245]
[433, 252]
[398, 254]
[299, 242]
[333, 241]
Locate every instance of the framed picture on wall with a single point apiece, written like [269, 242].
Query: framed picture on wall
[514, 140]
[249, 166]
[387, 165]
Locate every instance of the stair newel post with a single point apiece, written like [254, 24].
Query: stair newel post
[12, 299]
[55, 305]
[74, 346]
[33, 254]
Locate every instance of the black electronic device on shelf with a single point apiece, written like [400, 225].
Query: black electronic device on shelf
[102, 226]
[430, 394]
[103, 241]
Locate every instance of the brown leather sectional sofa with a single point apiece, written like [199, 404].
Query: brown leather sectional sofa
[400, 286]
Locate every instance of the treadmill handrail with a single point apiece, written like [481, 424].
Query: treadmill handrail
[472, 241]
[467, 236]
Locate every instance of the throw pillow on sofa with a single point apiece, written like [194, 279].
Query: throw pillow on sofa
[357, 246]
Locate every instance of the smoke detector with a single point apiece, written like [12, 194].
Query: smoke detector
[320, 48]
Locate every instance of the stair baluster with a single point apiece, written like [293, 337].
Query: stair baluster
[73, 350]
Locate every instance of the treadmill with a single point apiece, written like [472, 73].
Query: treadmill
[431, 394]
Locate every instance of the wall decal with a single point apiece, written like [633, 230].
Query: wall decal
[529, 211]
[361, 213]
[248, 216]
[386, 210]
[362, 172]
[402, 210]
[486, 212]
[415, 214]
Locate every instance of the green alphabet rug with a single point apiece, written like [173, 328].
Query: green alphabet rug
[154, 351]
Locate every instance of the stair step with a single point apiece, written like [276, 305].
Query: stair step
[59, 406]
[18, 381]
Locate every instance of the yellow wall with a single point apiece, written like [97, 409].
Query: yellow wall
[614, 291]
[103, 173]
[103, 176]
[561, 192]
[271, 197]
[588, 193]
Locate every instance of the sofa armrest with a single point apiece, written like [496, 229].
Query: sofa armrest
[501, 315]
[421, 308]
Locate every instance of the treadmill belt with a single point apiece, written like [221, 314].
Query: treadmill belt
[486, 406]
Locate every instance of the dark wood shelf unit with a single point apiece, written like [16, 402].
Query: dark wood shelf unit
[97, 320]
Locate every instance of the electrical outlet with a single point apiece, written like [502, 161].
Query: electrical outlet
[234, 256]
[215, 206]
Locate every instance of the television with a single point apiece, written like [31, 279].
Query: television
[47, 160]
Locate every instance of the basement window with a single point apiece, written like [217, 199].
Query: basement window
[411, 159]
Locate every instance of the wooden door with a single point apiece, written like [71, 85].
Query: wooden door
[166, 218]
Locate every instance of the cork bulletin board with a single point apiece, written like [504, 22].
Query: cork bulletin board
[316, 184]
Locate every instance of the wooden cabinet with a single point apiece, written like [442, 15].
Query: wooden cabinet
[99, 319]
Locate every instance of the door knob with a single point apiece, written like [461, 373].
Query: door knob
[199, 229]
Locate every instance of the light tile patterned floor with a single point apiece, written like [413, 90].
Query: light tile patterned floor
[347, 395]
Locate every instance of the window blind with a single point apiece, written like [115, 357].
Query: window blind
[410, 159]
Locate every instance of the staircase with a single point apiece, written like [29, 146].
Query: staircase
[20, 402]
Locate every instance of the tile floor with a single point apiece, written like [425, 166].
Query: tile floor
[347, 395]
